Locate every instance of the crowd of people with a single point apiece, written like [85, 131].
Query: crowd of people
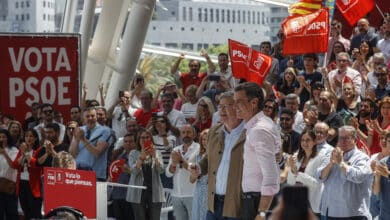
[223, 147]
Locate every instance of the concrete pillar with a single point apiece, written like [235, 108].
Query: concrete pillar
[132, 43]
[101, 46]
[86, 31]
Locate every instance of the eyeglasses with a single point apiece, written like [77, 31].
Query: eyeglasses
[224, 106]
[342, 60]
[320, 132]
[48, 111]
[285, 119]
[344, 138]
[268, 107]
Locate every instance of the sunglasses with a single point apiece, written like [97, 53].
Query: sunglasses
[285, 119]
[48, 111]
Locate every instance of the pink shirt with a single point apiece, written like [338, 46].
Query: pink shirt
[263, 141]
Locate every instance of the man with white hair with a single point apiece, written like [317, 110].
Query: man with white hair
[347, 179]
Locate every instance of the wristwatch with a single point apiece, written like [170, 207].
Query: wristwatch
[261, 213]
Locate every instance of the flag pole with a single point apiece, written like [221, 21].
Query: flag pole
[380, 11]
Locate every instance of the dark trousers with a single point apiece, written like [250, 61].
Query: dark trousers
[122, 209]
[218, 210]
[31, 206]
[249, 205]
[8, 207]
[146, 209]
[346, 218]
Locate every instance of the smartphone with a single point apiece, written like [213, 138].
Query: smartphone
[214, 77]
[148, 145]
[170, 88]
[121, 93]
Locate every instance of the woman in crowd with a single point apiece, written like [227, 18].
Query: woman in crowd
[337, 48]
[145, 167]
[15, 129]
[288, 84]
[28, 186]
[69, 132]
[204, 114]
[189, 108]
[348, 104]
[8, 198]
[164, 142]
[379, 126]
[361, 56]
[375, 159]
[271, 109]
[302, 168]
[316, 90]
[121, 207]
[199, 202]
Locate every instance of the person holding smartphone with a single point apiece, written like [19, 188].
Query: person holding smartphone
[145, 164]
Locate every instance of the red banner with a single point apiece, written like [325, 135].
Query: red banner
[353, 10]
[74, 188]
[39, 68]
[306, 33]
[247, 63]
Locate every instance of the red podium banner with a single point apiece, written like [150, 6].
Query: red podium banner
[74, 188]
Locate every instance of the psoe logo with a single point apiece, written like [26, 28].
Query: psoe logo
[239, 53]
[295, 26]
[317, 25]
[258, 62]
[51, 178]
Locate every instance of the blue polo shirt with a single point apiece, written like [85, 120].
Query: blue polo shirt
[87, 160]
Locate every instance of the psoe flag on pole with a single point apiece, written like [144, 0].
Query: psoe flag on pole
[247, 63]
[303, 7]
[353, 10]
[307, 33]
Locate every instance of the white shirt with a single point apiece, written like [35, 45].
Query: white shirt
[182, 187]
[299, 122]
[176, 118]
[384, 46]
[260, 170]
[5, 170]
[189, 110]
[119, 121]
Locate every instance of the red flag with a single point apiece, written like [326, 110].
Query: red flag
[239, 58]
[306, 33]
[247, 63]
[303, 7]
[353, 10]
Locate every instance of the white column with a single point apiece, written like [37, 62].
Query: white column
[132, 43]
[86, 31]
[69, 16]
[99, 51]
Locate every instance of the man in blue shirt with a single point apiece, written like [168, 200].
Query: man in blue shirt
[89, 145]
[347, 178]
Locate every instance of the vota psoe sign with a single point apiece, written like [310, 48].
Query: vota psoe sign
[39, 68]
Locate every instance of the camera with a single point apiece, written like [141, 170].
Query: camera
[121, 93]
